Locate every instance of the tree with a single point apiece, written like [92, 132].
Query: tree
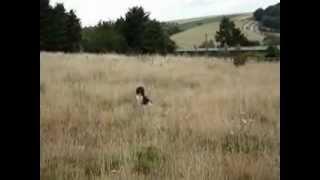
[59, 30]
[135, 33]
[45, 12]
[272, 52]
[238, 37]
[273, 11]
[229, 35]
[171, 28]
[142, 34]
[224, 34]
[258, 14]
[103, 38]
[73, 32]
[57, 37]
[120, 25]
[271, 40]
[156, 40]
[134, 28]
[271, 22]
[269, 18]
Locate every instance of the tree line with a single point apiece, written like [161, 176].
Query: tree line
[134, 33]
[270, 17]
[59, 30]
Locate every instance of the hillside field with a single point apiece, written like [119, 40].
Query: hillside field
[209, 119]
[194, 29]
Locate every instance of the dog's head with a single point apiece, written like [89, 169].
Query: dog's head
[140, 91]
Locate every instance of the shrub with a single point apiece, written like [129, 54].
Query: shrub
[147, 158]
[240, 60]
[250, 43]
[171, 28]
[103, 38]
[271, 40]
[272, 53]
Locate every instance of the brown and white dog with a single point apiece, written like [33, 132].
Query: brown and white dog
[142, 99]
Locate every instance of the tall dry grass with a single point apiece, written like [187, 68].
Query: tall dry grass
[210, 120]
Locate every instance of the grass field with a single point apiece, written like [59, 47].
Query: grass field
[185, 24]
[209, 120]
[195, 29]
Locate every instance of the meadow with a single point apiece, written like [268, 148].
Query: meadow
[209, 119]
[195, 29]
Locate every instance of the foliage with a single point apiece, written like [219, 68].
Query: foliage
[156, 40]
[251, 43]
[229, 35]
[59, 30]
[272, 22]
[73, 33]
[147, 159]
[272, 52]
[240, 59]
[103, 38]
[269, 18]
[171, 28]
[134, 33]
[271, 40]
[258, 14]
[134, 27]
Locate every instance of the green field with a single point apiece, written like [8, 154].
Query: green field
[194, 29]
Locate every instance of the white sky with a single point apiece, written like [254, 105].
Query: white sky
[91, 11]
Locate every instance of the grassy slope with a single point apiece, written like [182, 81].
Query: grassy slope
[194, 33]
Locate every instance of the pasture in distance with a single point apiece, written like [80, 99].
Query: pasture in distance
[194, 29]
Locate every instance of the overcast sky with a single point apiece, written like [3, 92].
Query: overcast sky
[91, 11]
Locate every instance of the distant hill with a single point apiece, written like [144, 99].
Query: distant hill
[194, 29]
[185, 24]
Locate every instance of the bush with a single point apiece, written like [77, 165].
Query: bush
[171, 28]
[272, 52]
[271, 22]
[250, 43]
[240, 60]
[271, 40]
[103, 38]
[147, 158]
